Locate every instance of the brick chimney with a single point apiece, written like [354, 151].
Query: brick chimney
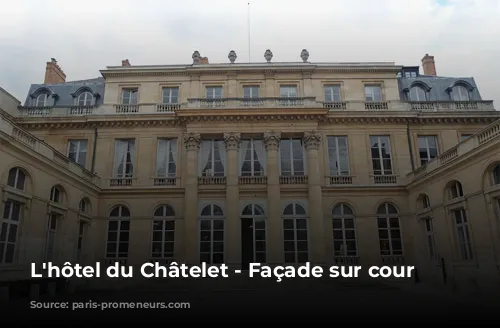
[204, 60]
[429, 65]
[125, 62]
[54, 73]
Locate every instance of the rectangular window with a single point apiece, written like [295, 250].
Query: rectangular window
[252, 158]
[295, 240]
[50, 246]
[212, 158]
[170, 95]
[332, 93]
[251, 92]
[465, 136]
[431, 243]
[163, 239]
[373, 93]
[214, 92]
[212, 241]
[389, 235]
[166, 156]
[79, 246]
[463, 234]
[77, 151]
[118, 238]
[8, 230]
[381, 155]
[292, 157]
[338, 155]
[427, 148]
[129, 96]
[288, 91]
[124, 158]
[344, 236]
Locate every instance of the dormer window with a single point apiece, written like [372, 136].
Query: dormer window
[85, 99]
[417, 93]
[460, 93]
[41, 100]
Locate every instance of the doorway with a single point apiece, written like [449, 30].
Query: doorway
[253, 236]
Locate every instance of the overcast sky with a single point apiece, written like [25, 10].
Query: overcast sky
[86, 36]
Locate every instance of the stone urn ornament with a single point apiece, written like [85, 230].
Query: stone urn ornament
[232, 56]
[196, 57]
[268, 55]
[304, 55]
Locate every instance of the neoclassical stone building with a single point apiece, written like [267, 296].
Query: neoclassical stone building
[347, 163]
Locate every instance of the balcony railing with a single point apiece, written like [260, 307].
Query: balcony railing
[340, 180]
[203, 181]
[257, 180]
[302, 102]
[293, 179]
[384, 179]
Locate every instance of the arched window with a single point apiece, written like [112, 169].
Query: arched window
[118, 233]
[85, 205]
[455, 190]
[212, 234]
[460, 93]
[41, 100]
[162, 243]
[9, 227]
[85, 99]
[496, 174]
[417, 93]
[424, 202]
[253, 235]
[56, 194]
[389, 232]
[295, 233]
[344, 231]
[17, 178]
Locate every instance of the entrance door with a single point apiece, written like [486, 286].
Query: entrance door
[253, 236]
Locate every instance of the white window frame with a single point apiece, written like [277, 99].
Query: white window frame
[294, 218]
[462, 230]
[289, 91]
[458, 188]
[211, 159]
[211, 92]
[252, 89]
[342, 217]
[253, 159]
[41, 100]
[164, 218]
[130, 150]
[87, 99]
[212, 218]
[332, 93]
[119, 230]
[8, 222]
[460, 93]
[131, 99]
[370, 93]
[170, 94]
[338, 171]
[387, 217]
[381, 159]
[18, 173]
[78, 153]
[428, 157]
[292, 165]
[171, 145]
[257, 218]
[416, 92]
[51, 237]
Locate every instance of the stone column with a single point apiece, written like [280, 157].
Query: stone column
[312, 141]
[190, 254]
[274, 223]
[233, 223]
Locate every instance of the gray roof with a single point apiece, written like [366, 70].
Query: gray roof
[64, 93]
[438, 87]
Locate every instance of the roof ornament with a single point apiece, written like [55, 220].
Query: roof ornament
[232, 56]
[196, 57]
[268, 55]
[304, 55]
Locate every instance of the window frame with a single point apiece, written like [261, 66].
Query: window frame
[253, 158]
[18, 171]
[211, 158]
[171, 91]
[387, 216]
[131, 92]
[342, 217]
[372, 87]
[7, 223]
[335, 139]
[213, 219]
[294, 218]
[77, 153]
[291, 159]
[426, 160]
[120, 219]
[131, 150]
[164, 219]
[332, 94]
[87, 97]
[172, 146]
[466, 234]
[381, 158]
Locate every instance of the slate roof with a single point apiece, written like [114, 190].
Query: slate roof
[65, 92]
[438, 86]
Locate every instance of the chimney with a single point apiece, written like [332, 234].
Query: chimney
[54, 73]
[429, 65]
[204, 60]
[125, 62]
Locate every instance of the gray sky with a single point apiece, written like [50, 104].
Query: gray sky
[84, 37]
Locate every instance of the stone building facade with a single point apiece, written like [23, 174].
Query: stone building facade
[330, 163]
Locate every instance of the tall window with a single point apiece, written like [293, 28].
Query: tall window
[163, 232]
[77, 151]
[344, 232]
[295, 234]
[381, 155]
[41, 100]
[463, 234]
[84, 206]
[212, 234]
[389, 232]
[85, 99]
[332, 93]
[373, 93]
[292, 157]
[81, 235]
[214, 92]
[8, 230]
[166, 156]
[496, 174]
[50, 243]
[288, 91]
[124, 158]
[118, 233]
[427, 148]
[212, 158]
[129, 96]
[251, 92]
[16, 178]
[431, 243]
[338, 155]
[460, 93]
[252, 158]
[456, 190]
[257, 215]
[170, 95]
[418, 94]
[55, 194]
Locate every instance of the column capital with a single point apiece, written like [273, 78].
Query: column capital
[272, 140]
[192, 141]
[312, 140]
[232, 140]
